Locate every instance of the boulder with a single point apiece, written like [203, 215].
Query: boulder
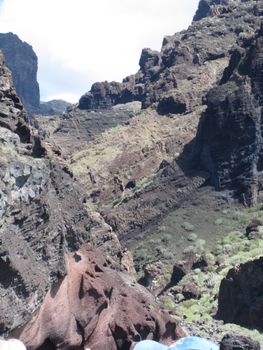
[240, 295]
[252, 230]
[238, 342]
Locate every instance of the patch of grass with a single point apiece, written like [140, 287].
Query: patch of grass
[169, 303]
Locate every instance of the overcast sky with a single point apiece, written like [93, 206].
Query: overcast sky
[82, 41]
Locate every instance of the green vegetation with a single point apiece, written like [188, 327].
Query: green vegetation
[169, 304]
[129, 193]
[225, 246]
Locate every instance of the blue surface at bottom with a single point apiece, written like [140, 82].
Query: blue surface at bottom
[188, 343]
[193, 343]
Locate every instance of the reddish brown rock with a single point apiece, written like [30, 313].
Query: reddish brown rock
[99, 308]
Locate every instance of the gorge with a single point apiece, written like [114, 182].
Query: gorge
[137, 213]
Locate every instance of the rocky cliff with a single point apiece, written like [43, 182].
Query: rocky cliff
[175, 79]
[44, 220]
[230, 130]
[35, 230]
[22, 61]
[103, 173]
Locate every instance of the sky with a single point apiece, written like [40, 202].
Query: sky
[83, 41]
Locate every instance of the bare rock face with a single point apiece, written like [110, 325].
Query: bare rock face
[42, 215]
[35, 229]
[22, 61]
[79, 296]
[240, 295]
[189, 64]
[96, 307]
[209, 8]
[105, 95]
[235, 342]
[230, 132]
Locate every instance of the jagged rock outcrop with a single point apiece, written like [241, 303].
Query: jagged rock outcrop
[35, 229]
[238, 342]
[43, 214]
[90, 295]
[210, 8]
[240, 295]
[22, 61]
[175, 79]
[96, 307]
[230, 130]
[105, 95]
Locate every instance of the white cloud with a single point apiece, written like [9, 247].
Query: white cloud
[84, 41]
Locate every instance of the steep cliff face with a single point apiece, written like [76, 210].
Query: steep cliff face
[175, 79]
[22, 61]
[231, 128]
[45, 222]
[35, 229]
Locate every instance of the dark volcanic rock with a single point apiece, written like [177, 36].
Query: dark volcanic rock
[238, 342]
[209, 8]
[240, 296]
[105, 95]
[42, 214]
[98, 308]
[252, 230]
[175, 79]
[230, 132]
[22, 61]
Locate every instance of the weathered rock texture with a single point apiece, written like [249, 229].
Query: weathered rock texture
[240, 295]
[22, 61]
[96, 307]
[35, 226]
[235, 342]
[175, 79]
[42, 214]
[44, 219]
[230, 132]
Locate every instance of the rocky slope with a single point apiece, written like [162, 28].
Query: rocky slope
[35, 229]
[22, 61]
[125, 171]
[102, 175]
[175, 79]
[44, 220]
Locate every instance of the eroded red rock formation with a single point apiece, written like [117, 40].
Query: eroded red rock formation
[96, 307]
